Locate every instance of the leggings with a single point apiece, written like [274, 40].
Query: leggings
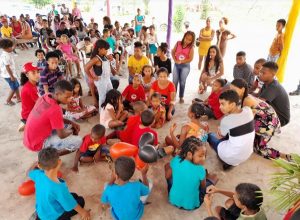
[180, 74]
[67, 215]
[261, 147]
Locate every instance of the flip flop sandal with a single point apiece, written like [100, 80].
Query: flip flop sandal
[11, 103]
[18, 101]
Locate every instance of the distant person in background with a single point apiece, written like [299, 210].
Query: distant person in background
[62, 30]
[91, 24]
[139, 21]
[26, 30]
[277, 44]
[205, 37]
[76, 11]
[223, 35]
[53, 12]
[64, 10]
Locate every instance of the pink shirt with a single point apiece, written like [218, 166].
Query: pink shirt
[76, 12]
[45, 116]
[182, 53]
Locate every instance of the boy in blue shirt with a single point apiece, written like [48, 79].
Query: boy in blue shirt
[124, 196]
[53, 199]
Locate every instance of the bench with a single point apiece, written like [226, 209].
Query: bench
[25, 41]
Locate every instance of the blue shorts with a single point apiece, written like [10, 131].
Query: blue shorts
[14, 85]
[89, 153]
[153, 48]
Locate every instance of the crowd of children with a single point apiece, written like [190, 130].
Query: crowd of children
[251, 109]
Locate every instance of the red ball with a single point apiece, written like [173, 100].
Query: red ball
[27, 188]
[123, 149]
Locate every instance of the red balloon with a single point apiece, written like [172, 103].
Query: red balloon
[59, 174]
[139, 163]
[27, 188]
[123, 149]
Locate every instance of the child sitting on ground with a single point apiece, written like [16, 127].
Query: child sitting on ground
[92, 147]
[125, 135]
[186, 175]
[133, 92]
[29, 94]
[41, 62]
[244, 203]
[257, 84]
[68, 50]
[123, 195]
[242, 69]
[158, 110]
[147, 120]
[53, 199]
[112, 113]
[147, 78]
[8, 71]
[50, 75]
[234, 144]
[195, 127]
[76, 109]
[212, 104]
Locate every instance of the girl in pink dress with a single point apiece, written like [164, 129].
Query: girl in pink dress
[76, 109]
[69, 55]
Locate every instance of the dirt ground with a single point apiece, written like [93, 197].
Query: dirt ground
[90, 180]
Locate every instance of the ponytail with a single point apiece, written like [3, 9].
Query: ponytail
[24, 79]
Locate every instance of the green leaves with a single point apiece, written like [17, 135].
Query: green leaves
[178, 18]
[285, 185]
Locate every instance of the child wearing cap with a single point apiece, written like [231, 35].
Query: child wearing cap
[8, 70]
[29, 94]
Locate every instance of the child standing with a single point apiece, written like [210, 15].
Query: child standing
[147, 78]
[76, 109]
[29, 94]
[112, 113]
[243, 70]
[244, 203]
[102, 70]
[133, 92]
[234, 143]
[8, 71]
[153, 42]
[53, 199]
[185, 175]
[195, 127]
[277, 44]
[162, 60]
[41, 62]
[123, 195]
[67, 48]
[92, 147]
[258, 84]
[50, 75]
[158, 110]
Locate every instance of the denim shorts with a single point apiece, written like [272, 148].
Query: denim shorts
[89, 153]
[14, 85]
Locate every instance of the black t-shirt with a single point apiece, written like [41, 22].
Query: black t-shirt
[61, 32]
[167, 64]
[278, 98]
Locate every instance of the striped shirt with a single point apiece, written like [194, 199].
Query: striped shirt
[49, 78]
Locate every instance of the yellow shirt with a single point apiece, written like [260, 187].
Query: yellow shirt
[137, 64]
[276, 44]
[6, 32]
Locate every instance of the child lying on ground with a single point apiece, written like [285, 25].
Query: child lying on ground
[53, 199]
[123, 195]
[244, 203]
[92, 147]
[186, 176]
[195, 127]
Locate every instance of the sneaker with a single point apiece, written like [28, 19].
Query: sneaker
[21, 127]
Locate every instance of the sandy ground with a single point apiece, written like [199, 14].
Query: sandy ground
[90, 179]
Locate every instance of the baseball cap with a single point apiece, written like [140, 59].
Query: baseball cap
[30, 67]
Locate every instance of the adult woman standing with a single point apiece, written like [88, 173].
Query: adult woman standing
[205, 37]
[76, 11]
[266, 120]
[183, 54]
[223, 35]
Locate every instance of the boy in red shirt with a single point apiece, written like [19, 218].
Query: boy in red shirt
[147, 119]
[47, 116]
[92, 147]
[29, 94]
[133, 92]
[125, 135]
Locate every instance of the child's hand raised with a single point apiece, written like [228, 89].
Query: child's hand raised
[173, 128]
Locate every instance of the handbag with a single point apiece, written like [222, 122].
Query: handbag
[197, 42]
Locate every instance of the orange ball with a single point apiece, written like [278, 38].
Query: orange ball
[123, 149]
[27, 188]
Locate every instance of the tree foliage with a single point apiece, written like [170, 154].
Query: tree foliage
[178, 18]
[40, 3]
